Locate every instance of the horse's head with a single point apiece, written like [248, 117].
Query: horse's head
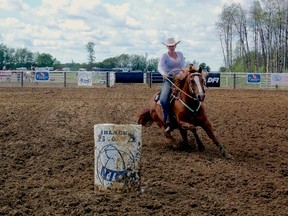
[196, 83]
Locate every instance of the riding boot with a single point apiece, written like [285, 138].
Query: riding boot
[167, 125]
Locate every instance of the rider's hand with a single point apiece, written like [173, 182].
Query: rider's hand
[165, 75]
[181, 76]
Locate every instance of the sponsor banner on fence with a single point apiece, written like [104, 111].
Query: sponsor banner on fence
[279, 79]
[5, 74]
[213, 80]
[254, 78]
[84, 78]
[42, 76]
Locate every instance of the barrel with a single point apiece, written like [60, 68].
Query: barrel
[117, 157]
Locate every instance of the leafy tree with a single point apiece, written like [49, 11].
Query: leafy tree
[265, 25]
[223, 69]
[123, 61]
[45, 60]
[108, 63]
[3, 55]
[152, 64]
[91, 53]
[23, 58]
[138, 62]
[205, 67]
[208, 69]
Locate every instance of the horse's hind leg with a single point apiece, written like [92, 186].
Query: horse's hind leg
[171, 140]
[201, 146]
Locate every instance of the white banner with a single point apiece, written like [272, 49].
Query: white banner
[279, 79]
[4, 73]
[112, 79]
[84, 78]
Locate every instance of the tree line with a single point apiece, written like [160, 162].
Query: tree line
[255, 39]
[135, 62]
[11, 58]
[22, 57]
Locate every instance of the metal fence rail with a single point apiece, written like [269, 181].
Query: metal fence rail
[108, 78]
[239, 81]
[56, 79]
[232, 81]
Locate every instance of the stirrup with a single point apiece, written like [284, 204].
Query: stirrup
[167, 128]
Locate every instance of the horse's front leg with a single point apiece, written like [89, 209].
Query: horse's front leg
[185, 140]
[201, 146]
[209, 131]
[187, 126]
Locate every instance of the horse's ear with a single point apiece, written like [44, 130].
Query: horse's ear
[185, 71]
[200, 69]
[191, 67]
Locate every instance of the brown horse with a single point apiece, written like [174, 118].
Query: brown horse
[188, 94]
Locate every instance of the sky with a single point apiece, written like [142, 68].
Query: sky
[63, 28]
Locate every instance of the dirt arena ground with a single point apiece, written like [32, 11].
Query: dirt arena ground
[47, 154]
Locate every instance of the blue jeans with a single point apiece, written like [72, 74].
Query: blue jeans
[165, 98]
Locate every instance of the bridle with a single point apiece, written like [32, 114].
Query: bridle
[193, 94]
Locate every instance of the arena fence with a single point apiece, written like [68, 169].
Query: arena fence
[54, 79]
[111, 78]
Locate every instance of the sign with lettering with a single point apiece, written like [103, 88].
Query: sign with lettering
[279, 79]
[213, 80]
[42, 76]
[84, 78]
[253, 78]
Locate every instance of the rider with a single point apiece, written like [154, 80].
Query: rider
[170, 64]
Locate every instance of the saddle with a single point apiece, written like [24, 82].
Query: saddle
[157, 98]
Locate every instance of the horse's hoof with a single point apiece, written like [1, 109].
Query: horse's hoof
[229, 156]
[224, 153]
[201, 148]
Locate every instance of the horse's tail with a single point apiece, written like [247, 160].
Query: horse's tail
[144, 117]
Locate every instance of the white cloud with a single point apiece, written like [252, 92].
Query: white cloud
[10, 22]
[132, 22]
[63, 28]
[75, 25]
[119, 11]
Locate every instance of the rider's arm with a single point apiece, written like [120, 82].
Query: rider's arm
[161, 66]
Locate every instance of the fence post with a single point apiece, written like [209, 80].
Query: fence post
[65, 79]
[234, 80]
[21, 78]
[107, 79]
[149, 79]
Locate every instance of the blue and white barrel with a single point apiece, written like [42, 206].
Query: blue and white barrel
[117, 157]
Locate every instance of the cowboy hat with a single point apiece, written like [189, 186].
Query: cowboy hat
[170, 42]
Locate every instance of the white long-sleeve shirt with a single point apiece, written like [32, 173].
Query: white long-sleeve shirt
[168, 64]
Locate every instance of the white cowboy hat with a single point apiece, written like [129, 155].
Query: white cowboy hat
[170, 42]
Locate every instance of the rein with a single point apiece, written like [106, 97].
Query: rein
[189, 108]
[179, 88]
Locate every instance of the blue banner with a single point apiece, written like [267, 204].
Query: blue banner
[253, 78]
[213, 80]
[42, 76]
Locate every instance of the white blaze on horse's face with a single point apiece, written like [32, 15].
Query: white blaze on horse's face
[201, 93]
[197, 81]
